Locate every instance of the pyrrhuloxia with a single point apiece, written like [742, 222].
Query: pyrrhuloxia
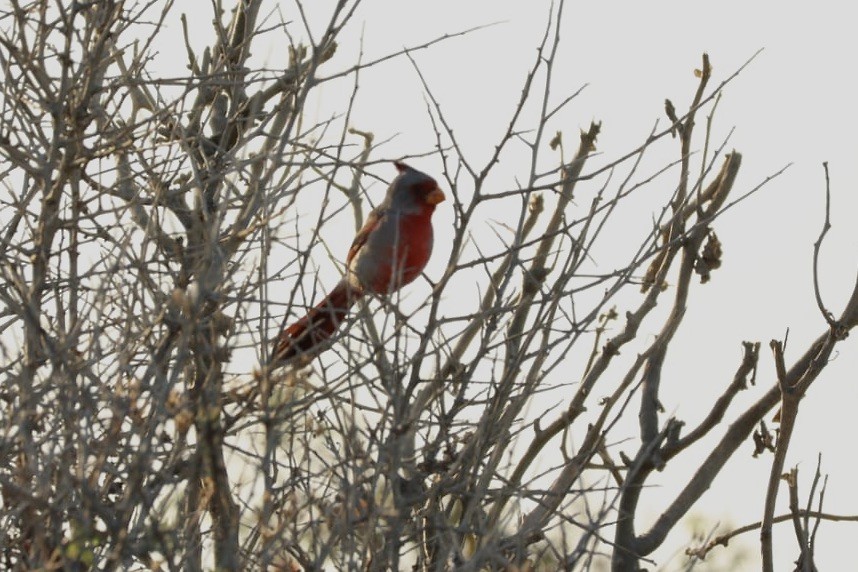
[390, 251]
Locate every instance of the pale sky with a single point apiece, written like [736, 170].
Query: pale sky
[794, 104]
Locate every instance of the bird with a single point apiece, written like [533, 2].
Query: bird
[388, 252]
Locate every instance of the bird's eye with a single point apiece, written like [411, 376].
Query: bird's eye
[425, 187]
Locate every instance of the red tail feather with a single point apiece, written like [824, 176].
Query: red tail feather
[318, 325]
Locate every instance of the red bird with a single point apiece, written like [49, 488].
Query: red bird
[390, 251]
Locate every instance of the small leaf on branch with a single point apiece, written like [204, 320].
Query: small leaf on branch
[710, 257]
[670, 111]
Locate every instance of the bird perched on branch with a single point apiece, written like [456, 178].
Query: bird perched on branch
[390, 251]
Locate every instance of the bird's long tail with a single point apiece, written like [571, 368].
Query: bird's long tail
[320, 323]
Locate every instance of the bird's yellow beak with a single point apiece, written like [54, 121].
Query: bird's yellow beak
[436, 196]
